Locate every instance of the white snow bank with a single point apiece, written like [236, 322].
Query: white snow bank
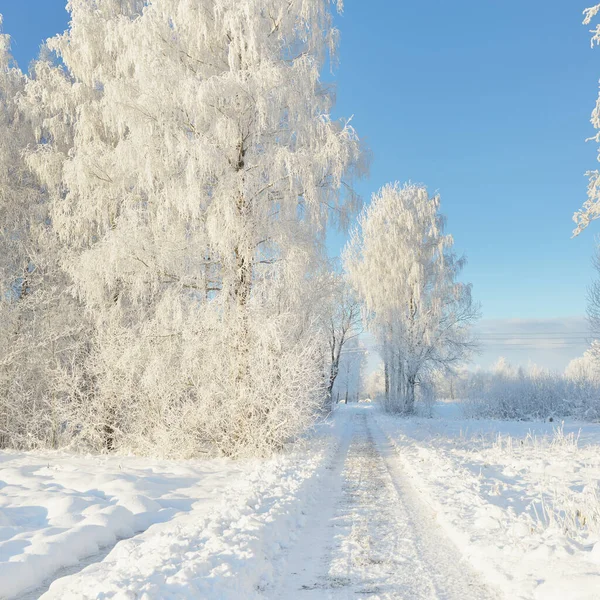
[520, 500]
[210, 529]
[56, 509]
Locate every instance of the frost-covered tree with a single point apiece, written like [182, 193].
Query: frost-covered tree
[193, 167]
[39, 325]
[342, 323]
[17, 218]
[374, 383]
[591, 207]
[348, 382]
[404, 269]
[448, 386]
[586, 367]
[18, 193]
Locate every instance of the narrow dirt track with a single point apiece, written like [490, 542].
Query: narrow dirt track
[370, 535]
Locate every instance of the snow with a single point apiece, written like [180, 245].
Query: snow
[208, 528]
[368, 533]
[56, 509]
[366, 504]
[509, 494]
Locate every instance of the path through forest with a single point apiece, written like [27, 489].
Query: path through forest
[369, 534]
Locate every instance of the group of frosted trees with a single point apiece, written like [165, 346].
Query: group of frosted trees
[168, 172]
[516, 393]
[403, 267]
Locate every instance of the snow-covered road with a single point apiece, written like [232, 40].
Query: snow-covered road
[370, 534]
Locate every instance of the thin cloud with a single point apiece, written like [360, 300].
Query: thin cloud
[549, 343]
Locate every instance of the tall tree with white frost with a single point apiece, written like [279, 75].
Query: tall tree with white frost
[591, 207]
[18, 192]
[342, 323]
[38, 324]
[403, 267]
[193, 168]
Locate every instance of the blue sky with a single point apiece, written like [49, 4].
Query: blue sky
[487, 103]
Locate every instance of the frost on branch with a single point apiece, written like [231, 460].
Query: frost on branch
[591, 207]
[192, 167]
[40, 325]
[404, 269]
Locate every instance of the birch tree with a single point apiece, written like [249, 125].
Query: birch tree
[193, 167]
[404, 269]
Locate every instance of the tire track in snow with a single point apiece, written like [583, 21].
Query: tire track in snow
[449, 574]
[299, 565]
[369, 535]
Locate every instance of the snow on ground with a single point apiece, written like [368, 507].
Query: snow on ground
[368, 504]
[520, 499]
[368, 534]
[159, 529]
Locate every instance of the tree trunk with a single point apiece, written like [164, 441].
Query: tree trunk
[401, 389]
[244, 263]
[109, 430]
[241, 291]
[386, 377]
[409, 403]
[333, 373]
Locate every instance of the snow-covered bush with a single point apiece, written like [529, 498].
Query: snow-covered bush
[40, 370]
[518, 394]
[158, 391]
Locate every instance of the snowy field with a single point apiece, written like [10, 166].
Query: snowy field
[367, 505]
[520, 499]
